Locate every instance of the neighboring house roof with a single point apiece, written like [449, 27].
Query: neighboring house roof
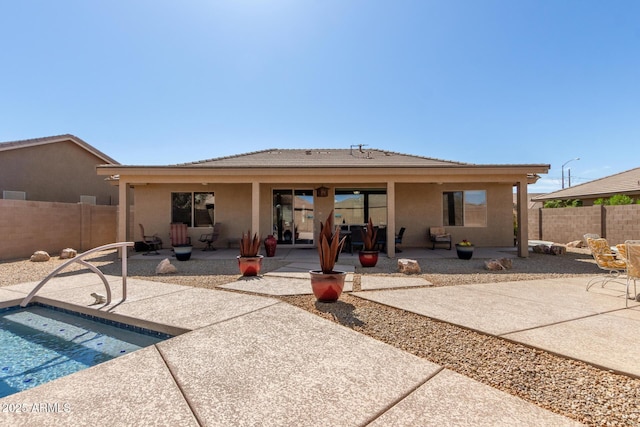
[627, 182]
[14, 145]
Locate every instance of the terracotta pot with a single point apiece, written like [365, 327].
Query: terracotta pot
[270, 244]
[464, 252]
[183, 252]
[327, 287]
[368, 258]
[250, 265]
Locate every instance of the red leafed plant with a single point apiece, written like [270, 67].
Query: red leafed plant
[249, 247]
[369, 236]
[329, 244]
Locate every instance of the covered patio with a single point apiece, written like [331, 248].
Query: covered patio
[286, 193]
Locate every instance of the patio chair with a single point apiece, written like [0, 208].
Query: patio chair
[589, 236]
[381, 239]
[605, 260]
[178, 234]
[356, 237]
[153, 243]
[438, 235]
[632, 250]
[209, 238]
[399, 238]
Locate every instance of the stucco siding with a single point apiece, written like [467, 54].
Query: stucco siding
[419, 206]
[59, 172]
[232, 210]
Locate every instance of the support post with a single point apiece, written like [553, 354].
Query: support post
[523, 219]
[255, 207]
[391, 219]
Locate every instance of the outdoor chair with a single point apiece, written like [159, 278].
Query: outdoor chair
[356, 237]
[381, 239]
[210, 238]
[438, 235]
[605, 260]
[153, 243]
[589, 236]
[179, 235]
[399, 238]
[632, 251]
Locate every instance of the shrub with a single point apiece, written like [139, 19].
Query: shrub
[615, 200]
[569, 203]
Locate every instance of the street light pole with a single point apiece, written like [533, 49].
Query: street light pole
[563, 165]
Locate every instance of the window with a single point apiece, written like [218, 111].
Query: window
[193, 209]
[465, 208]
[354, 206]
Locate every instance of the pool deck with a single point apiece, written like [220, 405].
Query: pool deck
[254, 360]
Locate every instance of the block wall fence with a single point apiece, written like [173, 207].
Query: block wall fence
[29, 226]
[563, 225]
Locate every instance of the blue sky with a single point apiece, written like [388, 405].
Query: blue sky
[162, 82]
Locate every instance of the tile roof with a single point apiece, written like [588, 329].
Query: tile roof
[330, 157]
[627, 182]
[13, 145]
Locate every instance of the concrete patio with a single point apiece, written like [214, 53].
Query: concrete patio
[251, 359]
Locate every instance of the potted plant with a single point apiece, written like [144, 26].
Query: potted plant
[249, 261]
[369, 255]
[182, 252]
[326, 283]
[464, 249]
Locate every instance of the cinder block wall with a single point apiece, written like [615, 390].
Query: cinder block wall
[563, 225]
[567, 224]
[534, 224]
[622, 223]
[29, 226]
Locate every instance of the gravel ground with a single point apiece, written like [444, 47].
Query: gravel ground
[574, 389]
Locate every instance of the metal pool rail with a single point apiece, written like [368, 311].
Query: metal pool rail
[79, 260]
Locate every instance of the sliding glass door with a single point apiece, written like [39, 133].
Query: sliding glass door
[293, 217]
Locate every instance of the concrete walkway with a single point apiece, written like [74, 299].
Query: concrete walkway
[253, 360]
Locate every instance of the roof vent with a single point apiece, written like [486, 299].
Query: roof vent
[308, 152]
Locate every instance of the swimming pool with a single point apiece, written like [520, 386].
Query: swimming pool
[41, 343]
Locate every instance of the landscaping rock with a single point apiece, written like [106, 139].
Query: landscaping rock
[550, 249]
[40, 256]
[68, 253]
[575, 244]
[408, 266]
[165, 267]
[499, 264]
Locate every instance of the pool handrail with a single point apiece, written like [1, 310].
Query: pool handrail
[79, 260]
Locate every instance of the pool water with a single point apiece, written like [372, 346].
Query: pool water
[41, 343]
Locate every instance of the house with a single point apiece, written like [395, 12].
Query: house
[54, 169]
[287, 192]
[627, 183]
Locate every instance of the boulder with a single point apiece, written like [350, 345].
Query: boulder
[165, 267]
[68, 253]
[499, 264]
[40, 256]
[408, 266]
[541, 249]
[550, 249]
[575, 244]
